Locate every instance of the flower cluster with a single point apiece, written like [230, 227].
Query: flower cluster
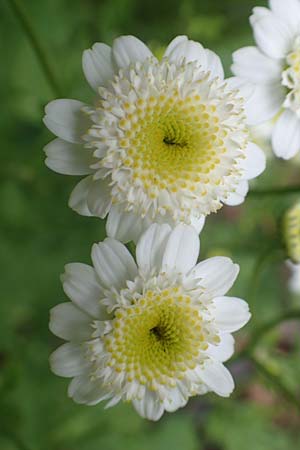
[164, 143]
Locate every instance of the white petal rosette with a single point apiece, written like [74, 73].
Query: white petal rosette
[154, 331]
[164, 142]
[273, 69]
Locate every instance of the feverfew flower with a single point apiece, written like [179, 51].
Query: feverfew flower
[165, 141]
[152, 332]
[273, 68]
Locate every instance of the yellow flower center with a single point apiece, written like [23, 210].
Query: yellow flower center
[174, 145]
[157, 339]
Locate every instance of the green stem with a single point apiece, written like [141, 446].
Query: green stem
[270, 253]
[261, 331]
[19, 11]
[276, 381]
[274, 191]
[16, 440]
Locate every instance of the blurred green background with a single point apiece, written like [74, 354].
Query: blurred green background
[39, 234]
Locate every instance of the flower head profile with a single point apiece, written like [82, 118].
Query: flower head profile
[291, 232]
[273, 69]
[152, 332]
[165, 141]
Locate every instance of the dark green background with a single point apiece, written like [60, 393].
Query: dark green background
[39, 234]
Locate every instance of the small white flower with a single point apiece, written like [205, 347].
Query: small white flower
[153, 332]
[273, 68]
[165, 141]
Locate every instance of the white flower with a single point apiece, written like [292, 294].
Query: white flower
[152, 332]
[273, 68]
[165, 141]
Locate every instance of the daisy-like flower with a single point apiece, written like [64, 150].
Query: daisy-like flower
[152, 332]
[165, 141]
[273, 69]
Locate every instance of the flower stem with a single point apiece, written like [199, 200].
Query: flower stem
[276, 381]
[268, 254]
[261, 331]
[275, 191]
[249, 353]
[20, 13]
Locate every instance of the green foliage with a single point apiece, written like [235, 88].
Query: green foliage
[39, 234]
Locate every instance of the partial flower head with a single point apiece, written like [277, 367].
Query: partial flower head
[154, 331]
[291, 232]
[273, 69]
[165, 141]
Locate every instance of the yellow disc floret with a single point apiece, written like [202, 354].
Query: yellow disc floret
[157, 339]
[291, 232]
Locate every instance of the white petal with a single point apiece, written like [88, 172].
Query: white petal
[217, 378]
[214, 64]
[216, 274]
[128, 49]
[175, 398]
[174, 43]
[97, 65]
[245, 88]
[81, 285]
[254, 163]
[125, 226]
[68, 360]
[70, 323]
[288, 11]
[230, 313]
[272, 35]
[286, 135]
[294, 279]
[237, 198]
[84, 391]
[189, 51]
[150, 249]
[264, 103]
[149, 407]
[198, 223]
[99, 198]
[68, 158]
[79, 195]
[66, 119]
[113, 263]
[251, 64]
[182, 250]
[222, 351]
[258, 13]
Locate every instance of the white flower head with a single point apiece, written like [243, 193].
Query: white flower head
[152, 332]
[165, 141]
[273, 69]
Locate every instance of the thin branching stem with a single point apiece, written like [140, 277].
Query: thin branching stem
[276, 381]
[24, 19]
[276, 191]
